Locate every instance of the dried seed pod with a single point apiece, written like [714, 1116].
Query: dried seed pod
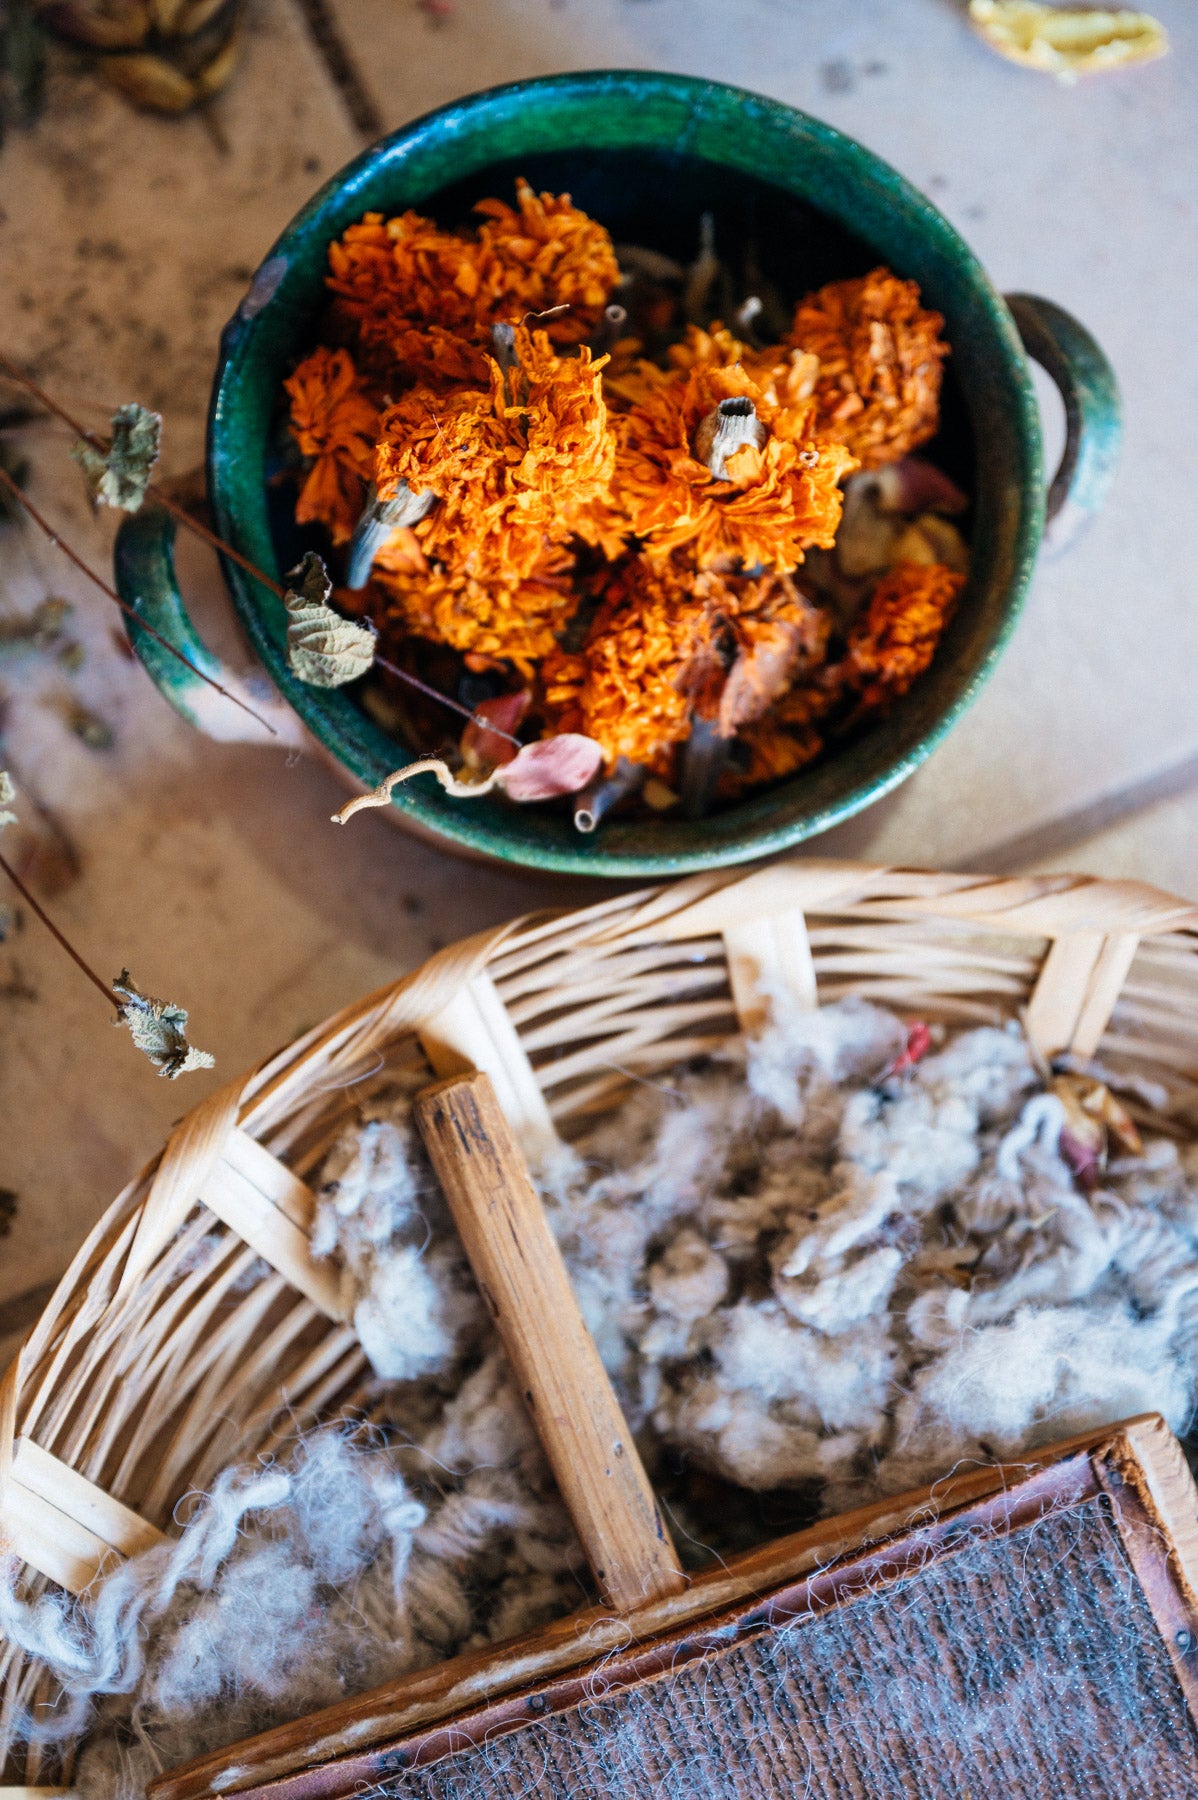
[931, 539]
[164, 55]
[380, 520]
[110, 25]
[726, 429]
[149, 81]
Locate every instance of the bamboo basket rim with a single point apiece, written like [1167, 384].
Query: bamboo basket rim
[108, 1412]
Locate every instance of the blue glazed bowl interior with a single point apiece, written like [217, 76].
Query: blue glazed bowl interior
[829, 210]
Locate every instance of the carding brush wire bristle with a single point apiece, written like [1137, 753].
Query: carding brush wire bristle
[1026, 1630]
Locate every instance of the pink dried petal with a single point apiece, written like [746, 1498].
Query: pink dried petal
[483, 749]
[919, 1042]
[1083, 1156]
[915, 485]
[556, 765]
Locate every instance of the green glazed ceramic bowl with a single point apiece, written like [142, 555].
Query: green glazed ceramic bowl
[647, 154]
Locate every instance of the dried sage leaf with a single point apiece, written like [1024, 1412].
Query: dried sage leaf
[159, 1029]
[323, 649]
[8, 794]
[120, 475]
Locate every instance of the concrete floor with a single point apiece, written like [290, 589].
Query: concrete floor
[126, 240]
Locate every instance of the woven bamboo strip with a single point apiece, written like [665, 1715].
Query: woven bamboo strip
[474, 1031]
[263, 1203]
[166, 1353]
[1103, 990]
[63, 1526]
[191, 1153]
[769, 963]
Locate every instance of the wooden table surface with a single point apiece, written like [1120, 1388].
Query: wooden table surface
[210, 869]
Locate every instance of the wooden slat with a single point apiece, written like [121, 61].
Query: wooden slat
[270, 1209]
[1061, 987]
[474, 1031]
[1105, 986]
[63, 1525]
[523, 1279]
[769, 963]
[1079, 982]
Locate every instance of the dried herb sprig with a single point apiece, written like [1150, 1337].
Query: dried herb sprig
[180, 513]
[158, 1027]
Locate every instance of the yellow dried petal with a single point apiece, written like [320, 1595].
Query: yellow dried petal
[1068, 41]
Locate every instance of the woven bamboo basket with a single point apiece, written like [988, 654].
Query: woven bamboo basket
[151, 1368]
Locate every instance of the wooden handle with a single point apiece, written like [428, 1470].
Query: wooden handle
[523, 1279]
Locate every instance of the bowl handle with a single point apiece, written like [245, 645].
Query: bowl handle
[144, 563]
[1093, 413]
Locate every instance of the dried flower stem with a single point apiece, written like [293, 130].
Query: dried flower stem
[189, 521]
[36, 907]
[13, 488]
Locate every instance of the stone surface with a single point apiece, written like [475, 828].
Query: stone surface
[210, 870]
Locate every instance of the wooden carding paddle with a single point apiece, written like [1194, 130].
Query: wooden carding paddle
[1024, 1630]
[523, 1280]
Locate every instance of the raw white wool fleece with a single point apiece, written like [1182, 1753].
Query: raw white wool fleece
[804, 1268]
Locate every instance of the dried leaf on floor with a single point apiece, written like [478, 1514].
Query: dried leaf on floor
[38, 631]
[159, 1029]
[1068, 41]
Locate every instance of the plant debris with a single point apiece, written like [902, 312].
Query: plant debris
[120, 475]
[8, 794]
[87, 725]
[158, 1028]
[8, 1209]
[38, 632]
[545, 770]
[323, 649]
[1068, 41]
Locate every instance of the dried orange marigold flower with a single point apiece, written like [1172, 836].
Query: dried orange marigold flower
[880, 355]
[544, 252]
[515, 620]
[670, 643]
[785, 740]
[778, 497]
[393, 277]
[895, 638]
[626, 688]
[514, 466]
[336, 423]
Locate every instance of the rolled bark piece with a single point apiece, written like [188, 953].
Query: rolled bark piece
[605, 793]
[703, 758]
[523, 1280]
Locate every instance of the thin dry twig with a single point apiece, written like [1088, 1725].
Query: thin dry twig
[36, 907]
[13, 488]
